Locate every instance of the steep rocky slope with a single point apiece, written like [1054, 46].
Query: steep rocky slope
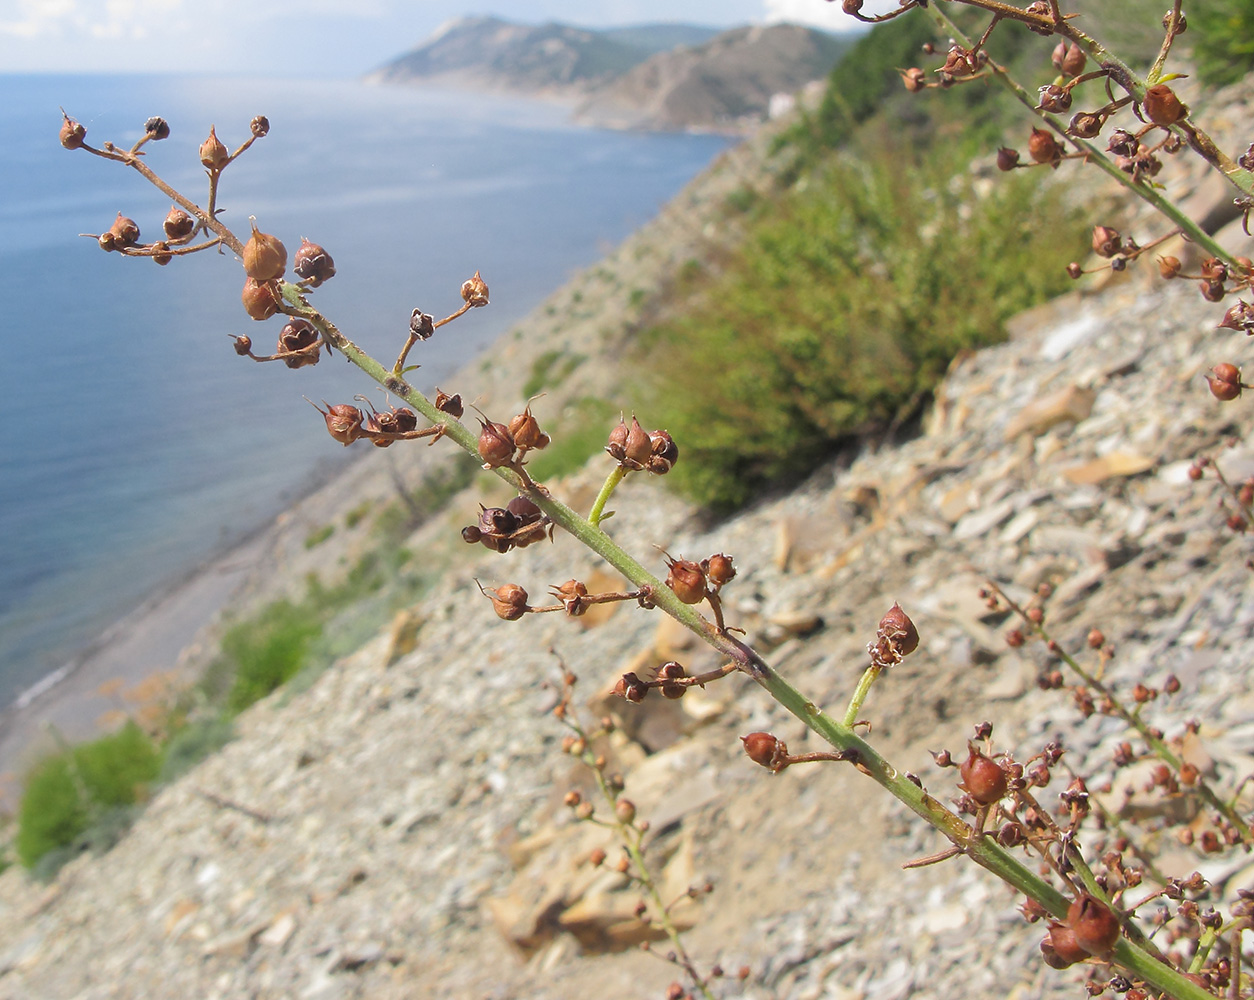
[396, 830]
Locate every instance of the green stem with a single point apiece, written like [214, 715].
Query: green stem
[595, 515]
[860, 693]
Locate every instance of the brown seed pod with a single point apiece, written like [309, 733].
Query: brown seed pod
[343, 422]
[1084, 125]
[1007, 158]
[1123, 143]
[1043, 147]
[1162, 106]
[157, 128]
[637, 448]
[899, 631]
[686, 579]
[625, 810]
[509, 602]
[312, 263]
[259, 126]
[1106, 241]
[719, 569]
[1225, 382]
[178, 224]
[475, 291]
[982, 777]
[525, 430]
[914, 79]
[1169, 267]
[161, 253]
[73, 135]
[496, 445]
[125, 232]
[1073, 61]
[1094, 925]
[631, 688]
[1054, 99]
[664, 453]
[243, 344]
[452, 405]
[265, 256]
[260, 298]
[617, 444]
[300, 338]
[764, 749]
[213, 154]
[1060, 948]
[1240, 317]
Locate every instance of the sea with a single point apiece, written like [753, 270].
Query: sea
[134, 443]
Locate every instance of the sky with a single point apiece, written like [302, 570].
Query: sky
[316, 37]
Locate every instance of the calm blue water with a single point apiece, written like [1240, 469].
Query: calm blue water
[134, 440]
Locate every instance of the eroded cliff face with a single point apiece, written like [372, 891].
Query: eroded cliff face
[397, 829]
[664, 77]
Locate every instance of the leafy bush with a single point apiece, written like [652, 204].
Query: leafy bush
[1223, 40]
[193, 743]
[94, 783]
[842, 310]
[268, 650]
[319, 535]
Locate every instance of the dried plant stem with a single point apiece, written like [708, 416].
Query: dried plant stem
[1241, 178]
[1133, 719]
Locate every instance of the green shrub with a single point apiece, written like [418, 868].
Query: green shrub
[1223, 39]
[355, 516]
[268, 650]
[82, 797]
[318, 536]
[842, 310]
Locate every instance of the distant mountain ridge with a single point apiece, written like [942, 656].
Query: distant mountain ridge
[651, 76]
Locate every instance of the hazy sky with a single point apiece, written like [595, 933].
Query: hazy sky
[313, 37]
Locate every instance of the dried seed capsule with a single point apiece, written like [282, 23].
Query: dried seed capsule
[664, 453]
[157, 128]
[343, 422]
[509, 602]
[1095, 927]
[1074, 270]
[107, 242]
[421, 325]
[764, 749]
[161, 253]
[1169, 267]
[125, 231]
[1106, 241]
[73, 135]
[1060, 949]
[1084, 125]
[982, 777]
[213, 154]
[631, 687]
[1043, 147]
[178, 224]
[899, 631]
[719, 569]
[496, 446]
[1123, 143]
[452, 405]
[475, 291]
[259, 126]
[1212, 291]
[686, 579]
[406, 419]
[299, 337]
[625, 810]
[617, 445]
[313, 264]
[260, 298]
[1054, 99]
[265, 257]
[243, 345]
[1007, 158]
[1225, 382]
[637, 448]
[525, 430]
[1073, 61]
[914, 79]
[1162, 106]
[1239, 317]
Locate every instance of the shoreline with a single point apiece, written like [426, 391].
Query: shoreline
[155, 640]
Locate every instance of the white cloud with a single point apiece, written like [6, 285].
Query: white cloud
[114, 19]
[822, 13]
